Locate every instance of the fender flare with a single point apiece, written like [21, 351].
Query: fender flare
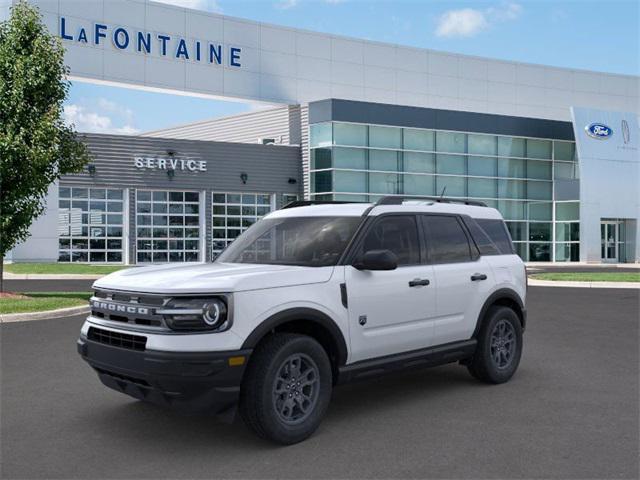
[503, 293]
[300, 313]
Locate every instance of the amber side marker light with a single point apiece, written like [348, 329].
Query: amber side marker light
[236, 361]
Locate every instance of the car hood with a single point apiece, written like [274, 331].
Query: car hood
[211, 278]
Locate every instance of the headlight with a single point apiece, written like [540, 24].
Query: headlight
[196, 314]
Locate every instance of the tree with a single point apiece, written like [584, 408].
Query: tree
[36, 146]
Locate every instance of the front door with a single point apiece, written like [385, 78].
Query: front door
[609, 241]
[391, 311]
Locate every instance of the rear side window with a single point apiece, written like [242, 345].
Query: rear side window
[447, 241]
[497, 232]
[398, 234]
[483, 242]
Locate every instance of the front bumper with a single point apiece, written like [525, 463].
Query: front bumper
[187, 381]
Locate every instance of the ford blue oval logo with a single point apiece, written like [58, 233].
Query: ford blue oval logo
[599, 130]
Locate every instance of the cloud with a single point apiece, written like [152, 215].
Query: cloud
[286, 4]
[207, 5]
[467, 22]
[103, 117]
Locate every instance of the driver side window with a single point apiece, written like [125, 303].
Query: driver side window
[398, 234]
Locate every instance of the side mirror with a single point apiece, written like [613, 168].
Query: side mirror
[377, 260]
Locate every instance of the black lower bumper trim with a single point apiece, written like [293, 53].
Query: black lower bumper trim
[187, 381]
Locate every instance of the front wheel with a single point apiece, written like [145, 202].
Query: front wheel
[287, 388]
[499, 346]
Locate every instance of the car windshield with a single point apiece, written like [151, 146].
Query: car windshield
[304, 241]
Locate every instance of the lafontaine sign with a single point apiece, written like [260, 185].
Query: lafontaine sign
[171, 163]
[163, 45]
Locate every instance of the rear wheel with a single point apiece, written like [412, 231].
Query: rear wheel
[286, 389]
[499, 346]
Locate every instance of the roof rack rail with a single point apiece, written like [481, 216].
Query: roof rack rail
[398, 199]
[307, 203]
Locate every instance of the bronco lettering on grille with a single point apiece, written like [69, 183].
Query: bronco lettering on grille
[117, 307]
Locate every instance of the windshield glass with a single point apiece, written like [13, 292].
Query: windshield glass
[304, 241]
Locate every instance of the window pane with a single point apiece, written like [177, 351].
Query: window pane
[510, 147]
[452, 164]
[564, 150]
[567, 232]
[349, 158]
[447, 241]
[419, 184]
[321, 181]
[567, 211]
[451, 142]
[383, 160]
[539, 211]
[511, 189]
[539, 232]
[539, 190]
[512, 210]
[497, 232]
[320, 134]
[419, 162]
[538, 148]
[385, 137]
[383, 183]
[511, 167]
[540, 170]
[567, 252]
[566, 171]
[539, 252]
[320, 158]
[419, 139]
[483, 144]
[397, 234]
[483, 188]
[451, 186]
[350, 134]
[483, 166]
[350, 181]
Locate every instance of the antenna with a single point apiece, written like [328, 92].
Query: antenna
[444, 189]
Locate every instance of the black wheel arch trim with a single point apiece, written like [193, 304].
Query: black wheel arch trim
[503, 293]
[300, 314]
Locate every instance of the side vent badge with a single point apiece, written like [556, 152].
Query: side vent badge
[362, 319]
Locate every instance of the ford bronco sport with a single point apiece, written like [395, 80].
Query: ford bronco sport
[311, 296]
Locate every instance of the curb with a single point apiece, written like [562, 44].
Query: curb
[553, 283]
[49, 314]
[50, 276]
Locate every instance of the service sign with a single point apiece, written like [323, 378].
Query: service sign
[170, 163]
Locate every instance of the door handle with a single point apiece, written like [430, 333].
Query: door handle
[419, 282]
[478, 276]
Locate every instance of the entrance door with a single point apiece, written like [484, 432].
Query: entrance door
[609, 241]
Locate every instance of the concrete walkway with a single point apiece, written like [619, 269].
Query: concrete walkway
[552, 283]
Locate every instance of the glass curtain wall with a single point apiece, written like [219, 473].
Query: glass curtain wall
[358, 162]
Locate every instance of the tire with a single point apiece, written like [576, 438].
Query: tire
[499, 346]
[274, 406]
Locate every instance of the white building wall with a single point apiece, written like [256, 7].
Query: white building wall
[42, 244]
[609, 179]
[292, 66]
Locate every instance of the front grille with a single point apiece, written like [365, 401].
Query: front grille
[129, 308]
[117, 339]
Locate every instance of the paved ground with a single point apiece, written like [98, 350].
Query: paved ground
[48, 285]
[570, 412]
[551, 268]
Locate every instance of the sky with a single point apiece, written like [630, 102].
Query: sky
[601, 35]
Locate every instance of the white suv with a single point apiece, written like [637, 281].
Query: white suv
[309, 297]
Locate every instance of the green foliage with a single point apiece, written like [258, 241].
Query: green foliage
[36, 147]
[588, 276]
[61, 268]
[43, 301]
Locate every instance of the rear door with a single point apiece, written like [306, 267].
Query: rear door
[391, 311]
[463, 278]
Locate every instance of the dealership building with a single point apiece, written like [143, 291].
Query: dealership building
[555, 150]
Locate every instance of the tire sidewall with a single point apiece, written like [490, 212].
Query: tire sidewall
[272, 423]
[495, 315]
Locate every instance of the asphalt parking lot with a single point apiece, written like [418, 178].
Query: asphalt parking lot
[571, 411]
